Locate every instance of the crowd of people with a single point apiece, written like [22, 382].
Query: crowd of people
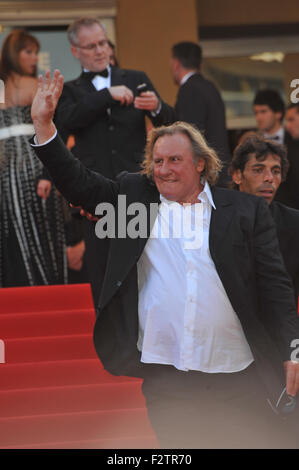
[212, 330]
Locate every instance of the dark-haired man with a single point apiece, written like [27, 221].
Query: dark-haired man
[269, 110]
[198, 100]
[259, 167]
[292, 120]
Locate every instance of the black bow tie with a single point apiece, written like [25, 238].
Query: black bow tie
[90, 75]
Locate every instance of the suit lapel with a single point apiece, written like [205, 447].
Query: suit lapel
[125, 252]
[85, 83]
[118, 76]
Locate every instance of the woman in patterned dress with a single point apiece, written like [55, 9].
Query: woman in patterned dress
[32, 238]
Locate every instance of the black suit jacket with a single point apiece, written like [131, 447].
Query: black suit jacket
[109, 137]
[243, 246]
[287, 225]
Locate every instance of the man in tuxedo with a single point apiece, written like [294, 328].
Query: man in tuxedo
[198, 101]
[98, 109]
[269, 110]
[193, 322]
[259, 167]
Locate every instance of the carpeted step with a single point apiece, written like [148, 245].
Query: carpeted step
[57, 373]
[114, 424]
[46, 298]
[54, 392]
[61, 323]
[124, 395]
[54, 348]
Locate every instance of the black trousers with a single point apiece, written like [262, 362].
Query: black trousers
[197, 410]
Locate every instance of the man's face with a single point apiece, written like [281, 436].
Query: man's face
[266, 119]
[261, 178]
[92, 49]
[176, 176]
[292, 122]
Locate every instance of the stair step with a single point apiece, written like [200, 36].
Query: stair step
[53, 400]
[49, 348]
[57, 373]
[60, 323]
[54, 392]
[45, 298]
[114, 424]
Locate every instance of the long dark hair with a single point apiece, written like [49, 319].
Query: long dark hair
[15, 42]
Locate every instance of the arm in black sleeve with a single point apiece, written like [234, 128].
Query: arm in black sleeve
[167, 114]
[80, 186]
[76, 111]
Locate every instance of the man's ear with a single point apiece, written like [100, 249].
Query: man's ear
[237, 177]
[74, 51]
[200, 165]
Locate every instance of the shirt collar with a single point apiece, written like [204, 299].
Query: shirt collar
[185, 77]
[108, 68]
[279, 134]
[204, 196]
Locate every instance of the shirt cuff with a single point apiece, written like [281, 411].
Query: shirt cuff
[36, 144]
[155, 113]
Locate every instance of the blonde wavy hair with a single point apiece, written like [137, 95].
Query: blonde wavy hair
[199, 147]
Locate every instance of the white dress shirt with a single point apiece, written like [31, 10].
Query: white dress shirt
[185, 317]
[101, 82]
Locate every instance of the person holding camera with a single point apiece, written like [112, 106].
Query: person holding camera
[99, 110]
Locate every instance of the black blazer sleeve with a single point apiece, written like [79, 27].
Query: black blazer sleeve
[167, 114]
[79, 185]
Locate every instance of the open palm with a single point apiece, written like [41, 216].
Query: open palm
[47, 96]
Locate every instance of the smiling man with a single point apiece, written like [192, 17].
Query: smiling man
[259, 167]
[189, 320]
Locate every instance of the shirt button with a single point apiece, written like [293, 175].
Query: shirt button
[113, 152]
[111, 128]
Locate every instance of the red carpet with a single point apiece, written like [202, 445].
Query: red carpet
[54, 392]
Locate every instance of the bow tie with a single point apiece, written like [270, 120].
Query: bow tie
[90, 75]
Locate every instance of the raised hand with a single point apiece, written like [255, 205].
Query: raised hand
[46, 97]
[44, 104]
